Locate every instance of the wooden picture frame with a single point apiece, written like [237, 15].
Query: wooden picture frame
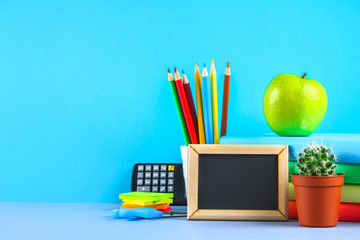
[194, 213]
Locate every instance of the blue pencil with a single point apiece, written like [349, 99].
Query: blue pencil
[207, 106]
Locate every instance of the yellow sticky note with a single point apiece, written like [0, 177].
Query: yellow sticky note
[147, 202]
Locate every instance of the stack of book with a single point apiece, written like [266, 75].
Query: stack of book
[159, 201]
[347, 149]
[350, 193]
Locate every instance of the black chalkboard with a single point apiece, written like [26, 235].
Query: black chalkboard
[232, 181]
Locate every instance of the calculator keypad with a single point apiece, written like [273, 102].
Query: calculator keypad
[143, 189]
[155, 178]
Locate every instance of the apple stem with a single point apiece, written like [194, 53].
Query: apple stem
[303, 75]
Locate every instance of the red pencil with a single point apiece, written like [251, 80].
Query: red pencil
[185, 107]
[191, 103]
[225, 101]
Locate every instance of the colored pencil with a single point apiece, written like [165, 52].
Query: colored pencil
[214, 104]
[225, 101]
[207, 106]
[178, 107]
[191, 103]
[199, 104]
[185, 108]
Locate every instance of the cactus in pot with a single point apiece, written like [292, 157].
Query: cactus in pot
[316, 182]
[316, 161]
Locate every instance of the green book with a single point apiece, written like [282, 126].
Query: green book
[349, 193]
[146, 196]
[351, 171]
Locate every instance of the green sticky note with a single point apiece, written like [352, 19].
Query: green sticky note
[163, 201]
[146, 196]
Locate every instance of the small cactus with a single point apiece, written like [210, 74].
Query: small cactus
[316, 161]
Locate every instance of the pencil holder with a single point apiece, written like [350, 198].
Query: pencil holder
[184, 157]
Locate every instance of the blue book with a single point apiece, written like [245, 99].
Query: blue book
[345, 146]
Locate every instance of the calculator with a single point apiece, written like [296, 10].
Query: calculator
[160, 177]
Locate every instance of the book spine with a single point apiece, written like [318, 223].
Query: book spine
[349, 193]
[351, 171]
[348, 211]
[345, 146]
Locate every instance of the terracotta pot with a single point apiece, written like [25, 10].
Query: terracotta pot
[318, 199]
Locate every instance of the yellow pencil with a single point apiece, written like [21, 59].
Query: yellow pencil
[214, 104]
[199, 104]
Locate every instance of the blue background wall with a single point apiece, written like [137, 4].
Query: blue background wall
[84, 92]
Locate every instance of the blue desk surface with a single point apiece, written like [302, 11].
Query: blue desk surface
[92, 221]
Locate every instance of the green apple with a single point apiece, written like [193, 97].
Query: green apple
[294, 105]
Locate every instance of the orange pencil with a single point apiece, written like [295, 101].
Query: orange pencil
[199, 103]
[185, 107]
[225, 101]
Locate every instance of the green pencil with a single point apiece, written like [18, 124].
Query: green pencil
[178, 107]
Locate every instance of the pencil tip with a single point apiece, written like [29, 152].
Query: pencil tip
[183, 71]
[228, 64]
[175, 70]
[212, 61]
[204, 65]
[169, 70]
